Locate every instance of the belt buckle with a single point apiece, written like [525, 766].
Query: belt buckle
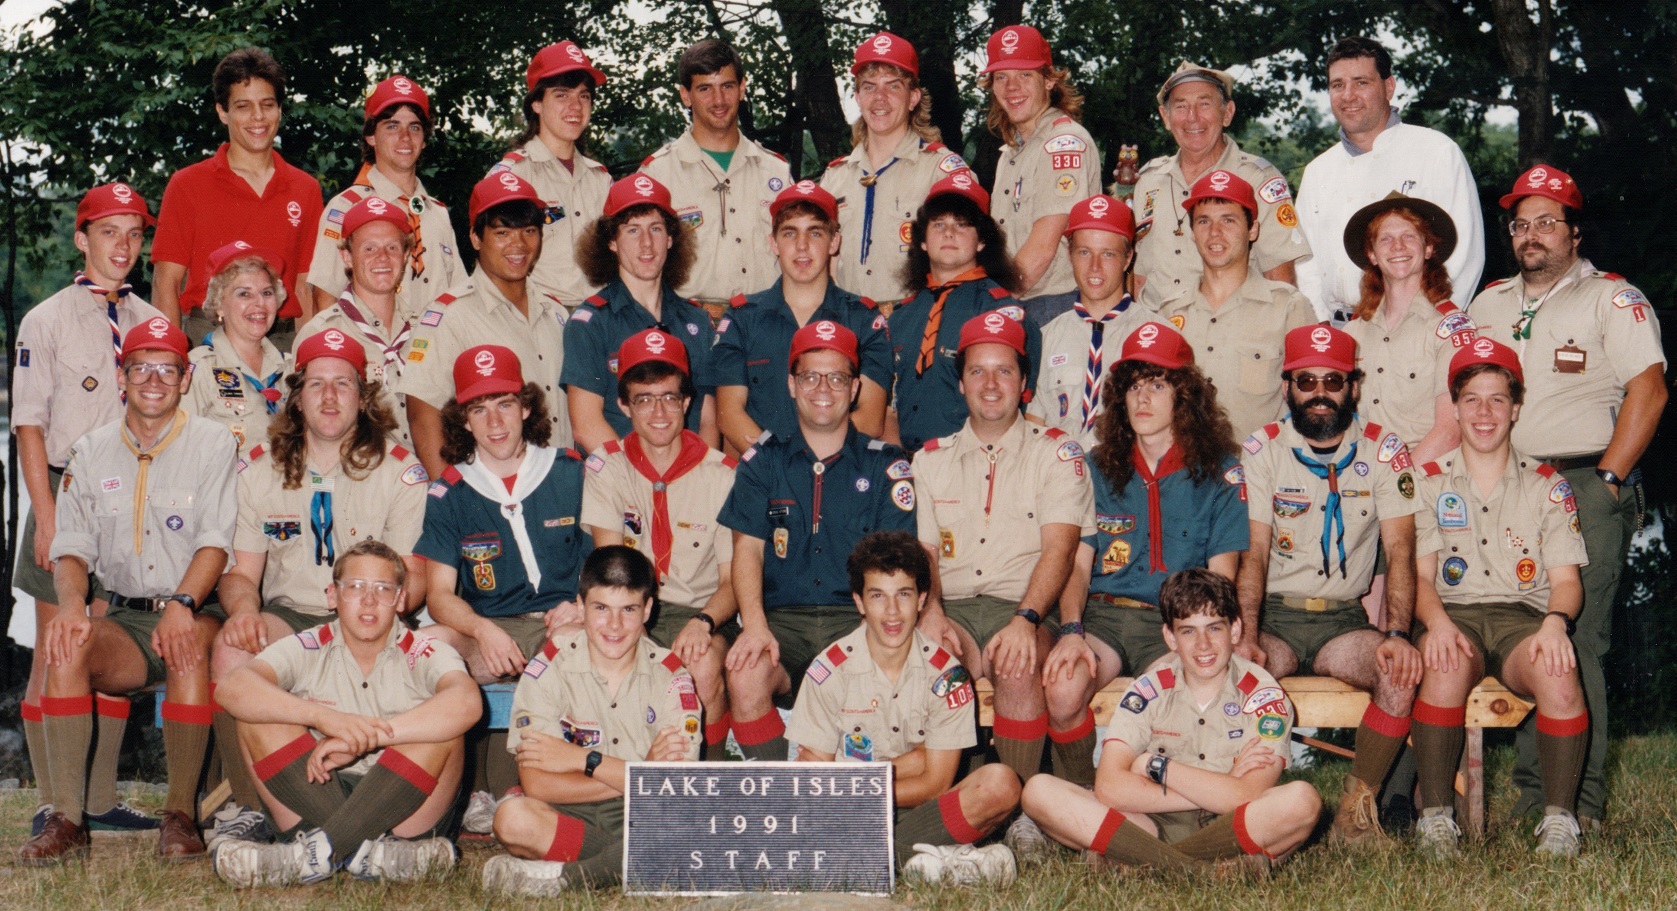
[1316, 605]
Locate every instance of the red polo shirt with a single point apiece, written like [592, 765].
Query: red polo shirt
[207, 205]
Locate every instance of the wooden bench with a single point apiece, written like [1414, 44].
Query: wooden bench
[1323, 702]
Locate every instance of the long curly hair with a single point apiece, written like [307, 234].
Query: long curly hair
[1435, 281]
[1063, 95]
[362, 450]
[919, 119]
[997, 264]
[1200, 429]
[599, 263]
[460, 446]
[222, 282]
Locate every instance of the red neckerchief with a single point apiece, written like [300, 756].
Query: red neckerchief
[1171, 461]
[693, 450]
[934, 319]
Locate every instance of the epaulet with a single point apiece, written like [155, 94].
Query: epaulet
[835, 655]
[1152, 163]
[730, 461]
[515, 156]
[1546, 470]
[1247, 684]
[1613, 276]
[1446, 307]
[998, 292]
[1498, 283]
[550, 649]
[445, 299]
[411, 644]
[353, 197]
[650, 158]
[1372, 431]
[599, 167]
[939, 659]
[432, 200]
[737, 301]
[876, 445]
[451, 475]
[774, 153]
[613, 447]
[695, 302]
[325, 634]
[1060, 120]
[1054, 433]
[1258, 160]
[398, 453]
[1432, 470]
[596, 300]
[933, 445]
[869, 303]
[1255, 440]
[934, 147]
[571, 454]
[907, 300]
[671, 662]
[837, 161]
[1167, 678]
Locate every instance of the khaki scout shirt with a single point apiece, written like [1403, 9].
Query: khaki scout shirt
[384, 366]
[1378, 483]
[1159, 715]
[387, 505]
[728, 213]
[484, 316]
[1496, 549]
[188, 504]
[849, 708]
[581, 194]
[1164, 242]
[1239, 345]
[1407, 366]
[617, 497]
[64, 379]
[315, 665]
[1045, 173]
[1065, 355]
[982, 505]
[561, 695]
[1593, 333]
[898, 192]
[444, 269]
[221, 392]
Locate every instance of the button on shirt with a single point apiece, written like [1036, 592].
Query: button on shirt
[1045, 173]
[1158, 715]
[598, 329]
[899, 189]
[444, 269]
[1496, 549]
[1377, 483]
[1065, 346]
[810, 522]
[228, 392]
[316, 666]
[1141, 539]
[580, 192]
[1592, 334]
[1406, 367]
[754, 342]
[561, 695]
[983, 504]
[856, 713]
[388, 505]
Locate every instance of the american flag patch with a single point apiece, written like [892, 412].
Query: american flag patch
[437, 489]
[335, 216]
[534, 667]
[582, 315]
[595, 464]
[819, 672]
[309, 640]
[431, 318]
[1252, 444]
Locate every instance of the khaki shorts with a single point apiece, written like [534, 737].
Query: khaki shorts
[1305, 632]
[605, 815]
[139, 625]
[296, 619]
[803, 632]
[1183, 824]
[1495, 630]
[983, 617]
[33, 580]
[668, 620]
[528, 632]
[1133, 632]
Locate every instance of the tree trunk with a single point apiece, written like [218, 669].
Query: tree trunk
[813, 87]
[1525, 49]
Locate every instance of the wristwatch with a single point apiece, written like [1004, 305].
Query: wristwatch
[592, 762]
[1571, 623]
[1032, 616]
[1397, 634]
[708, 620]
[1156, 768]
[186, 601]
[1608, 477]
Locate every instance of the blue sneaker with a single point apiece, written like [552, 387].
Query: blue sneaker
[121, 818]
[39, 820]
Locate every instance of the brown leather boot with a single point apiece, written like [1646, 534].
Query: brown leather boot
[60, 840]
[178, 838]
[1358, 818]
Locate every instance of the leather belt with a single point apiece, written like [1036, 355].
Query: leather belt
[147, 605]
[1318, 605]
[1568, 463]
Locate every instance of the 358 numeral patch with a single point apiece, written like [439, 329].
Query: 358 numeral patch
[1065, 161]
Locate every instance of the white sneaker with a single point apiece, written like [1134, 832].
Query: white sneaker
[1557, 835]
[962, 865]
[240, 823]
[400, 860]
[480, 814]
[510, 875]
[244, 864]
[1437, 837]
[1025, 839]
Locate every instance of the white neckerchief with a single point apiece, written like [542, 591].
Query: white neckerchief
[538, 461]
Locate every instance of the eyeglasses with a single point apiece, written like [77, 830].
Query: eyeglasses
[168, 374]
[670, 401]
[809, 380]
[383, 593]
[1544, 225]
[1307, 382]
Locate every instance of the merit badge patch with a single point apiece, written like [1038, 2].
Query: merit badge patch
[1452, 510]
[1272, 727]
[1133, 702]
[1453, 571]
[1117, 556]
[902, 494]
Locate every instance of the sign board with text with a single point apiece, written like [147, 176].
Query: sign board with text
[717, 828]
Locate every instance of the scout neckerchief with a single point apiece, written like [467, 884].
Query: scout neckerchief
[268, 389]
[321, 519]
[392, 350]
[1522, 326]
[415, 206]
[1092, 372]
[868, 180]
[934, 320]
[111, 299]
[538, 461]
[1169, 462]
[693, 449]
[140, 495]
[1335, 515]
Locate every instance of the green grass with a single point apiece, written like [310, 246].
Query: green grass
[1634, 865]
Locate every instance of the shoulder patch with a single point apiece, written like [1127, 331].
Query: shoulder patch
[451, 475]
[1063, 119]
[1498, 283]
[1065, 142]
[1069, 451]
[1630, 297]
[730, 461]
[1275, 190]
[998, 292]
[1372, 431]
[415, 475]
[737, 300]
[613, 447]
[939, 659]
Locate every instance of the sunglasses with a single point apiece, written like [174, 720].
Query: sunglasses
[1307, 382]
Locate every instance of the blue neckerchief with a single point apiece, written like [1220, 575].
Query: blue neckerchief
[320, 520]
[1335, 515]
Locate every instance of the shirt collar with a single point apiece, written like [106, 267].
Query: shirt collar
[1392, 120]
[1012, 441]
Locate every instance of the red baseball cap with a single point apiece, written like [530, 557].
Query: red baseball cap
[112, 199]
[1226, 185]
[805, 191]
[1157, 343]
[496, 188]
[1320, 346]
[1483, 350]
[961, 183]
[1102, 213]
[993, 327]
[372, 209]
[330, 343]
[221, 256]
[155, 334]
[560, 57]
[885, 47]
[823, 335]
[486, 370]
[635, 190]
[397, 90]
[1543, 180]
[1017, 47]
[651, 345]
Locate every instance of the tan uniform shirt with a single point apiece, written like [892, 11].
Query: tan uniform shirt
[484, 316]
[188, 503]
[444, 269]
[849, 708]
[1239, 346]
[1065, 364]
[899, 190]
[1164, 244]
[983, 505]
[1046, 173]
[221, 392]
[1496, 549]
[616, 497]
[1159, 715]
[385, 356]
[64, 379]
[581, 194]
[1376, 483]
[561, 695]
[315, 665]
[727, 212]
[1407, 366]
[1593, 332]
[387, 505]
